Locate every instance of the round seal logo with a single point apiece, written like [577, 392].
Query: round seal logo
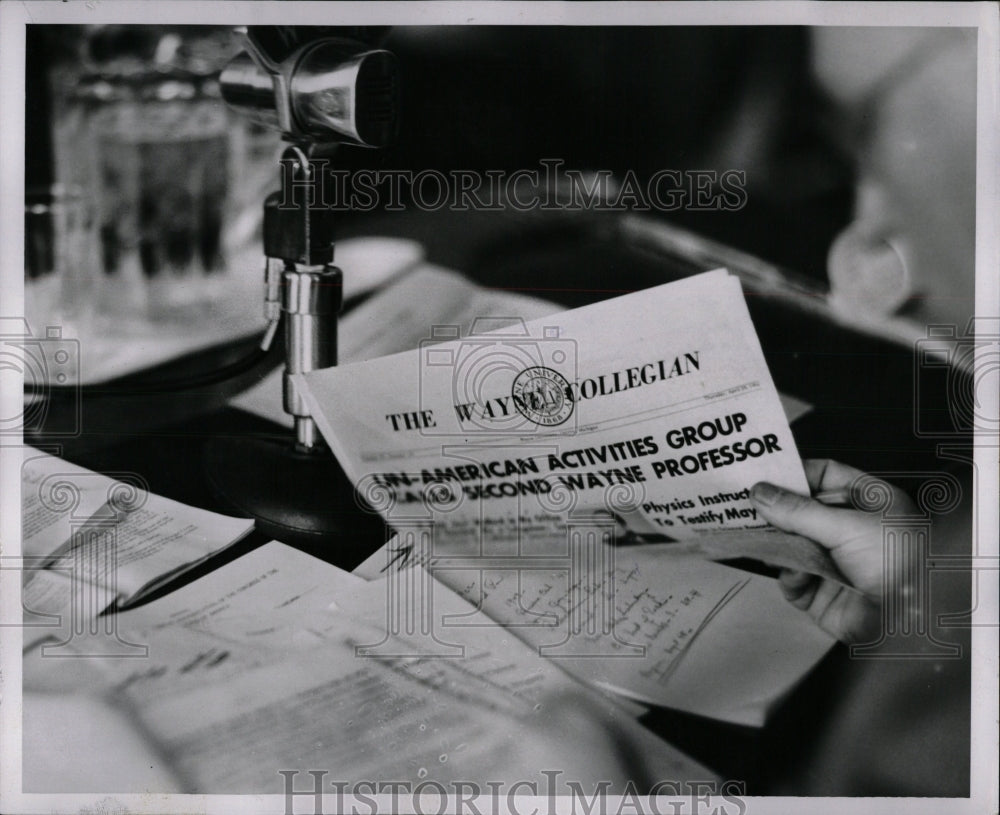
[540, 395]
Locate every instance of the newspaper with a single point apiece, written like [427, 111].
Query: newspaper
[651, 414]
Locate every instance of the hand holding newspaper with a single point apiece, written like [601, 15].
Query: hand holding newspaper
[514, 461]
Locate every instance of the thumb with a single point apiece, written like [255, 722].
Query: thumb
[853, 538]
[829, 526]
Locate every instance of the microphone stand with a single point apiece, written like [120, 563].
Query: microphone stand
[295, 490]
[318, 93]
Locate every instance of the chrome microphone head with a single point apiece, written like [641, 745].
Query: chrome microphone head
[329, 90]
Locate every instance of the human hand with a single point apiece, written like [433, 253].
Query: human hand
[854, 540]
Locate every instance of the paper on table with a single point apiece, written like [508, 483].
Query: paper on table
[274, 596]
[230, 716]
[398, 318]
[54, 493]
[650, 631]
[78, 743]
[755, 651]
[656, 406]
[122, 542]
[229, 703]
[380, 721]
[484, 647]
[370, 262]
[430, 303]
[54, 606]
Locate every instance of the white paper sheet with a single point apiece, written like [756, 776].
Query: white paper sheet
[278, 597]
[658, 627]
[230, 707]
[78, 743]
[54, 493]
[89, 539]
[274, 596]
[380, 721]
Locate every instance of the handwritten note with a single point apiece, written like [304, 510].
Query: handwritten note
[658, 626]
[613, 628]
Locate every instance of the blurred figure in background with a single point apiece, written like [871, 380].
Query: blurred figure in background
[906, 105]
[906, 100]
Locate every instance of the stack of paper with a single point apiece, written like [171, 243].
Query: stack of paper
[89, 541]
[277, 662]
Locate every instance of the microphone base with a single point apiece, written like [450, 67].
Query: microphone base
[300, 498]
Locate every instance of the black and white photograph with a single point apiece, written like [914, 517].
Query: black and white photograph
[499, 407]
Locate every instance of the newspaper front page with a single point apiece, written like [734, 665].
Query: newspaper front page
[652, 414]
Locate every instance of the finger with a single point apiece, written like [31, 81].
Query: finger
[794, 582]
[844, 613]
[798, 588]
[826, 475]
[828, 526]
[823, 608]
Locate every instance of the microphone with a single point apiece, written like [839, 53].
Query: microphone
[320, 88]
[327, 90]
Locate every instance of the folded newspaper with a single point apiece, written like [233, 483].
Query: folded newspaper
[655, 410]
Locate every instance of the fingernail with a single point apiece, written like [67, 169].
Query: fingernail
[764, 493]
